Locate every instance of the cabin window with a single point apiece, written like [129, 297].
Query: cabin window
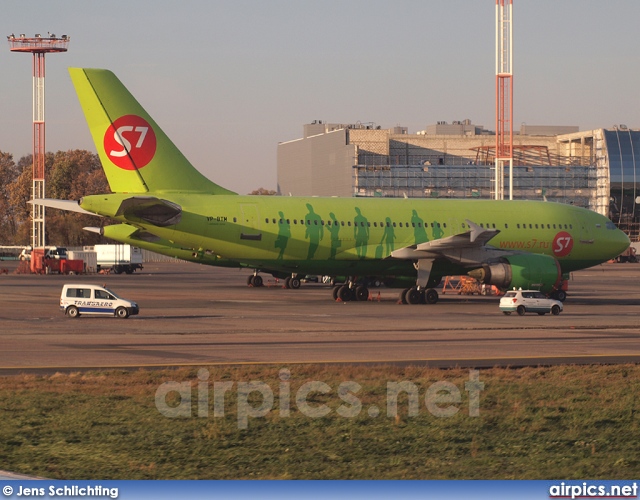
[274, 221]
[342, 223]
[349, 223]
[518, 226]
[295, 221]
[308, 222]
[530, 226]
[394, 224]
[463, 225]
[444, 224]
[536, 226]
[315, 222]
[401, 224]
[570, 226]
[368, 224]
[288, 222]
[280, 222]
[235, 219]
[506, 226]
[266, 220]
[322, 222]
[413, 224]
[375, 224]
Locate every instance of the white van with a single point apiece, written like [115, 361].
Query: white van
[93, 299]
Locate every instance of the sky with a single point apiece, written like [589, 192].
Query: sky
[228, 80]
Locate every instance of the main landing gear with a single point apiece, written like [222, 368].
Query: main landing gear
[350, 291]
[417, 295]
[420, 294]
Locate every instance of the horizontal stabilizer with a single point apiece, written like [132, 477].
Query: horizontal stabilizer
[67, 205]
[151, 210]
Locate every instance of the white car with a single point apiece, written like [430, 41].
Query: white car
[80, 299]
[524, 301]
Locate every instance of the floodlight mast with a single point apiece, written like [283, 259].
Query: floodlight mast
[504, 95]
[38, 46]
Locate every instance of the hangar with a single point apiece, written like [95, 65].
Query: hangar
[596, 169]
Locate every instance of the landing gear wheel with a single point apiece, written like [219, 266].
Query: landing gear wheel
[334, 292]
[555, 310]
[431, 296]
[345, 294]
[362, 293]
[122, 313]
[521, 310]
[414, 296]
[287, 282]
[257, 281]
[250, 280]
[294, 283]
[72, 312]
[561, 295]
[403, 296]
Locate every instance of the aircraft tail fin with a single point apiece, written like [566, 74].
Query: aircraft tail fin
[136, 154]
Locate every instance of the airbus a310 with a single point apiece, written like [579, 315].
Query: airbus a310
[156, 192]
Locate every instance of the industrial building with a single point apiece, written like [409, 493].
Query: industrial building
[596, 169]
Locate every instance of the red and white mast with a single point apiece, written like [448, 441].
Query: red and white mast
[504, 95]
[38, 46]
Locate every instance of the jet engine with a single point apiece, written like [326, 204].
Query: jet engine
[541, 272]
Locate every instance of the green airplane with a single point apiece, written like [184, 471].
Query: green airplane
[126, 233]
[528, 244]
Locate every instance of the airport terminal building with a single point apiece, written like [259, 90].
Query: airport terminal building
[597, 169]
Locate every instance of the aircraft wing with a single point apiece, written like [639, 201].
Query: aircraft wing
[458, 248]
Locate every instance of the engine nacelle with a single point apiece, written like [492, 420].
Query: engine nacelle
[541, 272]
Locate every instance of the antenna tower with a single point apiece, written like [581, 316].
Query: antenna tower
[38, 46]
[504, 95]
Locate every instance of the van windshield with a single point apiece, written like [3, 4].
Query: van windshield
[112, 293]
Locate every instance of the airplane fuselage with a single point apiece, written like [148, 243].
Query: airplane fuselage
[351, 235]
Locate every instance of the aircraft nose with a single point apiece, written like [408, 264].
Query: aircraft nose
[619, 243]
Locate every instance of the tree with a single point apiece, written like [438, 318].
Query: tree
[69, 176]
[264, 192]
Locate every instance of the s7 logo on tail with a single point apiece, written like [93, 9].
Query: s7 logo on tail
[130, 142]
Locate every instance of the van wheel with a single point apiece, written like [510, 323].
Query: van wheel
[521, 310]
[72, 312]
[122, 312]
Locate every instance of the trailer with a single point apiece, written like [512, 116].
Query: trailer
[118, 259]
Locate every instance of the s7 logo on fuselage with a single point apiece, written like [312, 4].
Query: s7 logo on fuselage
[562, 244]
[130, 142]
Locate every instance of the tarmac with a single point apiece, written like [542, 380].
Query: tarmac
[195, 315]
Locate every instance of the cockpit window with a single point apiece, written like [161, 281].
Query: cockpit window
[610, 225]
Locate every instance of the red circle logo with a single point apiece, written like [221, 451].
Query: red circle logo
[562, 244]
[130, 142]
